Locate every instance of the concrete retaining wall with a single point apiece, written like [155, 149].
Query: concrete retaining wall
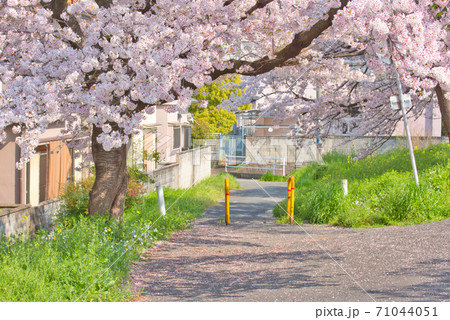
[166, 176]
[214, 144]
[307, 151]
[191, 167]
[26, 219]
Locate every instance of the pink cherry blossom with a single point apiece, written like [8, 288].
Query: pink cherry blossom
[105, 66]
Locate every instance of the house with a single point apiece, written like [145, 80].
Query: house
[43, 177]
[163, 135]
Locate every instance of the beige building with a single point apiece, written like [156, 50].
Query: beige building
[164, 134]
[43, 178]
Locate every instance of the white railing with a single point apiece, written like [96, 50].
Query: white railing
[266, 163]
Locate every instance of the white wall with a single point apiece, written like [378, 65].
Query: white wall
[307, 151]
[191, 167]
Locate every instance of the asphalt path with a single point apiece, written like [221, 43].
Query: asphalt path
[256, 259]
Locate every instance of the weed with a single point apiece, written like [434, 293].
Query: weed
[88, 259]
[269, 176]
[382, 190]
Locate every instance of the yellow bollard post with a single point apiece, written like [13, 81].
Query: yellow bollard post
[227, 201]
[288, 198]
[291, 218]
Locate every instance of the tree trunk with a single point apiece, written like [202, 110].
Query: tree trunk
[444, 106]
[111, 179]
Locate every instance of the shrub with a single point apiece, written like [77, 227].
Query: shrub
[75, 198]
[75, 195]
[135, 190]
[269, 176]
[138, 175]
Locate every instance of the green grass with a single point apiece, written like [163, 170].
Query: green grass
[86, 259]
[382, 190]
[269, 176]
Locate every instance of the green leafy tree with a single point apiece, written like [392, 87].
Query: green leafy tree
[209, 119]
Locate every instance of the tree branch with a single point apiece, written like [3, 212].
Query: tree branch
[301, 41]
[58, 7]
[258, 5]
[228, 2]
[148, 7]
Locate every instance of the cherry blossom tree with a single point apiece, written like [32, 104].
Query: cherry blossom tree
[351, 64]
[102, 65]
[331, 87]
[413, 34]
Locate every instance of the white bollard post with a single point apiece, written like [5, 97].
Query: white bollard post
[345, 186]
[284, 167]
[161, 204]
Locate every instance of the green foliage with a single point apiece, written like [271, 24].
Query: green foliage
[153, 156]
[269, 176]
[137, 175]
[89, 259]
[211, 119]
[65, 265]
[441, 11]
[201, 128]
[76, 194]
[382, 190]
[76, 198]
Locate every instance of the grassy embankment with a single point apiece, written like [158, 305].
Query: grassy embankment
[381, 189]
[86, 259]
[269, 176]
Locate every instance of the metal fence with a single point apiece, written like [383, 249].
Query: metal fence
[231, 145]
[273, 164]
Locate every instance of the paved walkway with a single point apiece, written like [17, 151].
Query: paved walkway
[256, 259]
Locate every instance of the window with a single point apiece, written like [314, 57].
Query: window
[187, 137]
[176, 137]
